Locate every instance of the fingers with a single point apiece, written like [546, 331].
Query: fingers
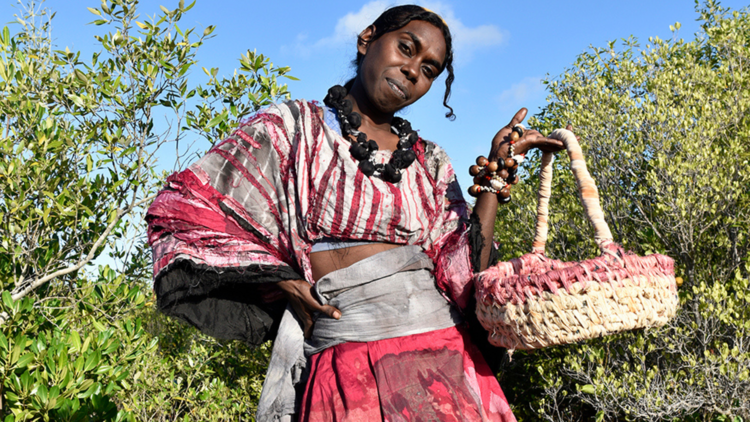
[323, 309]
[533, 139]
[313, 305]
[308, 322]
[570, 128]
[502, 135]
[331, 311]
[518, 118]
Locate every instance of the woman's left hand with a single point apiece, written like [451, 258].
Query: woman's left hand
[304, 304]
[531, 139]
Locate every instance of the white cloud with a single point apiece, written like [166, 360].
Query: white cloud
[349, 26]
[520, 94]
[466, 40]
[300, 47]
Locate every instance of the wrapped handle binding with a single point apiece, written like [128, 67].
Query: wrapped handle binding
[587, 192]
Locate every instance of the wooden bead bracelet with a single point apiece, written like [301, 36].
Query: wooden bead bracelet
[497, 176]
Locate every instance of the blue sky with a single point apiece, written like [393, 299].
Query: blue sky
[503, 49]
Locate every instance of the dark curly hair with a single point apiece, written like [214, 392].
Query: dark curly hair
[398, 17]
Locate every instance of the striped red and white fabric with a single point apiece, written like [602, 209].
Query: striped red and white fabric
[284, 179]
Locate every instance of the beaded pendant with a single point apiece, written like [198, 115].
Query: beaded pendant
[363, 149]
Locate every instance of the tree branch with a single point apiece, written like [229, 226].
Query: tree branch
[23, 290]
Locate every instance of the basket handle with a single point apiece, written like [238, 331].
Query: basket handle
[587, 192]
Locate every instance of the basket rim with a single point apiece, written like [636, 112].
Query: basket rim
[526, 277]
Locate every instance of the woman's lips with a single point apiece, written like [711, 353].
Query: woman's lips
[397, 88]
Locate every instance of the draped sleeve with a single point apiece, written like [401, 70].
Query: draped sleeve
[457, 249]
[450, 249]
[227, 228]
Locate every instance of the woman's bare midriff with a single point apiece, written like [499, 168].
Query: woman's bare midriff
[324, 262]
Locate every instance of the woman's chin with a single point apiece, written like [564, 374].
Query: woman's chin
[393, 105]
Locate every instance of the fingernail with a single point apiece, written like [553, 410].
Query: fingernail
[337, 314]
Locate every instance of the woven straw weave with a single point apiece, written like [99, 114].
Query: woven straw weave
[533, 301]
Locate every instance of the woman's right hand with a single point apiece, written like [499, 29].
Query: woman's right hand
[531, 139]
[299, 294]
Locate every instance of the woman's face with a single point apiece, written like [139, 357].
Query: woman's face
[399, 67]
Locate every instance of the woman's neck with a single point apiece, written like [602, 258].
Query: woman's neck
[375, 124]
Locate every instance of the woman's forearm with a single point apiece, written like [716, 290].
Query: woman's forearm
[486, 206]
[486, 209]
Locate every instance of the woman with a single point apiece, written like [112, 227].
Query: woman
[342, 235]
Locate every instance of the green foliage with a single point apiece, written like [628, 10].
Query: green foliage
[53, 370]
[195, 377]
[78, 145]
[665, 130]
[261, 78]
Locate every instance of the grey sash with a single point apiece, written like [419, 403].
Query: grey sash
[390, 294]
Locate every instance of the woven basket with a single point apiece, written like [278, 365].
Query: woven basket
[533, 302]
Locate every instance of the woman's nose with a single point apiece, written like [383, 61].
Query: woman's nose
[411, 71]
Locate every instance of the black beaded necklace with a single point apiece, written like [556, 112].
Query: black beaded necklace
[363, 149]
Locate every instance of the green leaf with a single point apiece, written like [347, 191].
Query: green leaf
[16, 353]
[103, 369]
[75, 339]
[216, 120]
[76, 100]
[98, 325]
[92, 361]
[94, 11]
[85, 384]
[7, 300]
[86, 344]
[42, 392]
[27, 381]
[91, 390]
[112, 347]
[588, 389]
[24, 360]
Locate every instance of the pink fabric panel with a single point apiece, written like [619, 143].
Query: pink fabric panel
[187, 222]
[435, 376]
[450, 251]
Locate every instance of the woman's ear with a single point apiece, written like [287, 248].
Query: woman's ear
[363, 41]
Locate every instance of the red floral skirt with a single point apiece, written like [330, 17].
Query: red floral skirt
[434, 376]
